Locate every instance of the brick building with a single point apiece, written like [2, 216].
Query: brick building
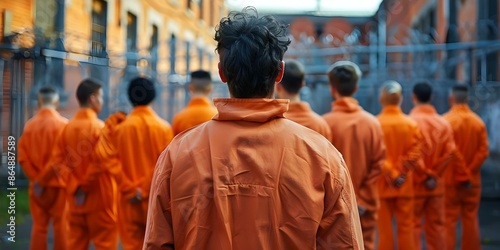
[409, 23]
[414, 22]
[445, 42]
[61, 42]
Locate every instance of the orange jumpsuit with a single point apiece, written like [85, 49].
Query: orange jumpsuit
[358, 136]
[437, 149]
[402, 139]
[198, 111]
[73, 156]
[250, 179]
[44, 128]
[463, 203]
[301, 113]
[136, 142]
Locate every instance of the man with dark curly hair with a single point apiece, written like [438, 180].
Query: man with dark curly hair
[249, 178]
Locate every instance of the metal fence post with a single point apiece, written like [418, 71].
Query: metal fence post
[2, 66]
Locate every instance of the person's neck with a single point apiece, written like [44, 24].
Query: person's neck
[338, 97]
[292, 98]
[459, 104]
[421, 103]
[196, 95]
[87, 107]
[52, 107]
[390, 105]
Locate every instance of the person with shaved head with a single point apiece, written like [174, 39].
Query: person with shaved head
[402, 139]
[299, 111]
[47, 200]
[91, 184]
[199, 108]
[358, 136]
[463, 192]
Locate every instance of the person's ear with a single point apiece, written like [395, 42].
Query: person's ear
[414, 99]
[39, 101]
[282, 71]
[302, 84]
[93, 100]
[278, 87]
[190, 88]
[381, 98]
[208, 90]
[333, 91]
[221, 73]
[356, 89]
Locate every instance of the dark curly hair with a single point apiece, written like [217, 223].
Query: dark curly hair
[251, 49]
[141, 91]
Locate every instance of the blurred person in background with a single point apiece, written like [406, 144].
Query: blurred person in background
[437, 149]
[402, 139]
[199, 108]
[463, 190]
[136, 142]
[249, 178]
[47, 200]
[299, 111]
[358, 136]
[92, 184]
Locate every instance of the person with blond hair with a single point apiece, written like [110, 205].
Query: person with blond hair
[47, 200]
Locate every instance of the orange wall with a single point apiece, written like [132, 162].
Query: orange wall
[302, 25]
[338, 28]
[467, 19]
[22, 14]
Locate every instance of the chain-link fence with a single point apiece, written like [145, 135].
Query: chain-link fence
[24, 71]
[442, 65]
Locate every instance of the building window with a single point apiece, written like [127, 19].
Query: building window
[188, 57]
[98, 44]
[452, 10]
[172, 53]
[131, 32]
[201, 9]
[189, 4]
[452, 36]
[200, 57]
[487, 28]
[154, 38]
[154, 47]
[427, 24]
